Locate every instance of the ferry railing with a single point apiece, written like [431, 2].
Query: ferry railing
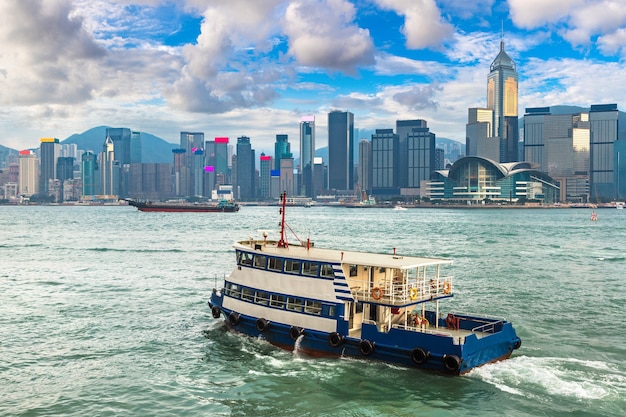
[487, 327]
[403, 293]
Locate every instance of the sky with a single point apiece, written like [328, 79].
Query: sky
[255, 67]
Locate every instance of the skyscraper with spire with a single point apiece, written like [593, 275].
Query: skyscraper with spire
[502, 99]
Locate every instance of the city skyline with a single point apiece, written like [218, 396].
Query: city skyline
[146, 67]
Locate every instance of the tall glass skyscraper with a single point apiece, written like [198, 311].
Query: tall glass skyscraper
[245, 168]
[502, 99]
[340, 150]
[603, 119]
[48, 154]
[281, 147]
[307, 154]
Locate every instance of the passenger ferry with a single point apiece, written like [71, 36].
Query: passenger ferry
[328, 302]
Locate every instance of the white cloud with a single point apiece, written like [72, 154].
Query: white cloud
[423, 24]
[530, 14]
[322, 34]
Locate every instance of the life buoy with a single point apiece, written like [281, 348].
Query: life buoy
[216, 312]
[295, 332]
[234, 318]
[335, 339]
[262, 324]
[447, 287]
[366, 347]
[419, 355]
[451, 362]
[413, 293]
[377, 293]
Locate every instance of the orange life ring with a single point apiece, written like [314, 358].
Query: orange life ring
[447, 287]
[377, 293]
[413, 293]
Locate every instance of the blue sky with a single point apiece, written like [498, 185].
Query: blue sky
[253, 68]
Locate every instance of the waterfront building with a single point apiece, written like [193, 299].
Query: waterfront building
[221, 160]
[440, 162]
[603, 119]
[474, 179]
[340, 150]
[245, 169]
[191, 142]
[421, 155]
[28, 181]
[307, 154]
[319, 176]
[109, 170]
[281, 147]
[502, 92]
[286, 174]
[89, 179]
[151, 181]
[48, 154]
[403, 129]
[365, 167]
[181, 173]
[65, 171]
[385, 163]
[265, 173]
[198, 172]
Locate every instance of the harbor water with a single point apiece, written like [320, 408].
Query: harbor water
[103, 312]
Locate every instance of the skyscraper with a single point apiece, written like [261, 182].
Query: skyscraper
[307, 154]
[88, 172]
[48, 154]
[365, 166]
[385, 162]
[502, 99]
[340, 150]
[403, 129]
[221, 160]
[265, 168]
[109, 169]
[421, 155]
[191, 142]
[245, 168]
[28, 173]
[281, 147]
[603, 119]
[121, 140]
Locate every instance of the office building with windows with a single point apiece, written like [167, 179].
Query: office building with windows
[340, 150]
[307, 155]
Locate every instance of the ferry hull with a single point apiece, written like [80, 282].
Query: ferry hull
[430, 351]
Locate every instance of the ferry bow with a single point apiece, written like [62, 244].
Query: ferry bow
[329, 302]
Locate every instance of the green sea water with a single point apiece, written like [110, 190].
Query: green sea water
[103, 313]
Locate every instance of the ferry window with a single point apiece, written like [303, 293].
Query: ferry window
[259, 261]
[310, 268]
[327, 271]
[247, 294]
[232, 290]
[275, 264]
[261, 297]
[292, 266]
[313, 307]
[353, 270]
[331, 311]
[277, 301]
[294, 304]
[245, 258]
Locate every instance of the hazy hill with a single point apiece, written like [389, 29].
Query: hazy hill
[153, 148]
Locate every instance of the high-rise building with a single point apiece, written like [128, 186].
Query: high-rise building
[48, 154]
[265, 171]
[385, 163]
[307, 155]
[135, 147]
[88, 172]
[181, 173]
[603, 119]
[365, 166]
[479, 140]
[340, 150]
[191, 142]
[281, 147]
[121, 137]
[198, 172]
[28, 182]
[502, 99]
[65, 171]
[286, 174]
[421, 152]
[109, 169]
[245, 168]
[221, 160]
[403, 129]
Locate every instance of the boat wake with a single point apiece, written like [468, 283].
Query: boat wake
[564, 377]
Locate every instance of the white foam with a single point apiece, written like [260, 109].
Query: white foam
[565, 377]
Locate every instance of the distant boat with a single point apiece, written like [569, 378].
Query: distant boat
[619, 206]
[174, 207]
[335, 302]
[399, 208]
